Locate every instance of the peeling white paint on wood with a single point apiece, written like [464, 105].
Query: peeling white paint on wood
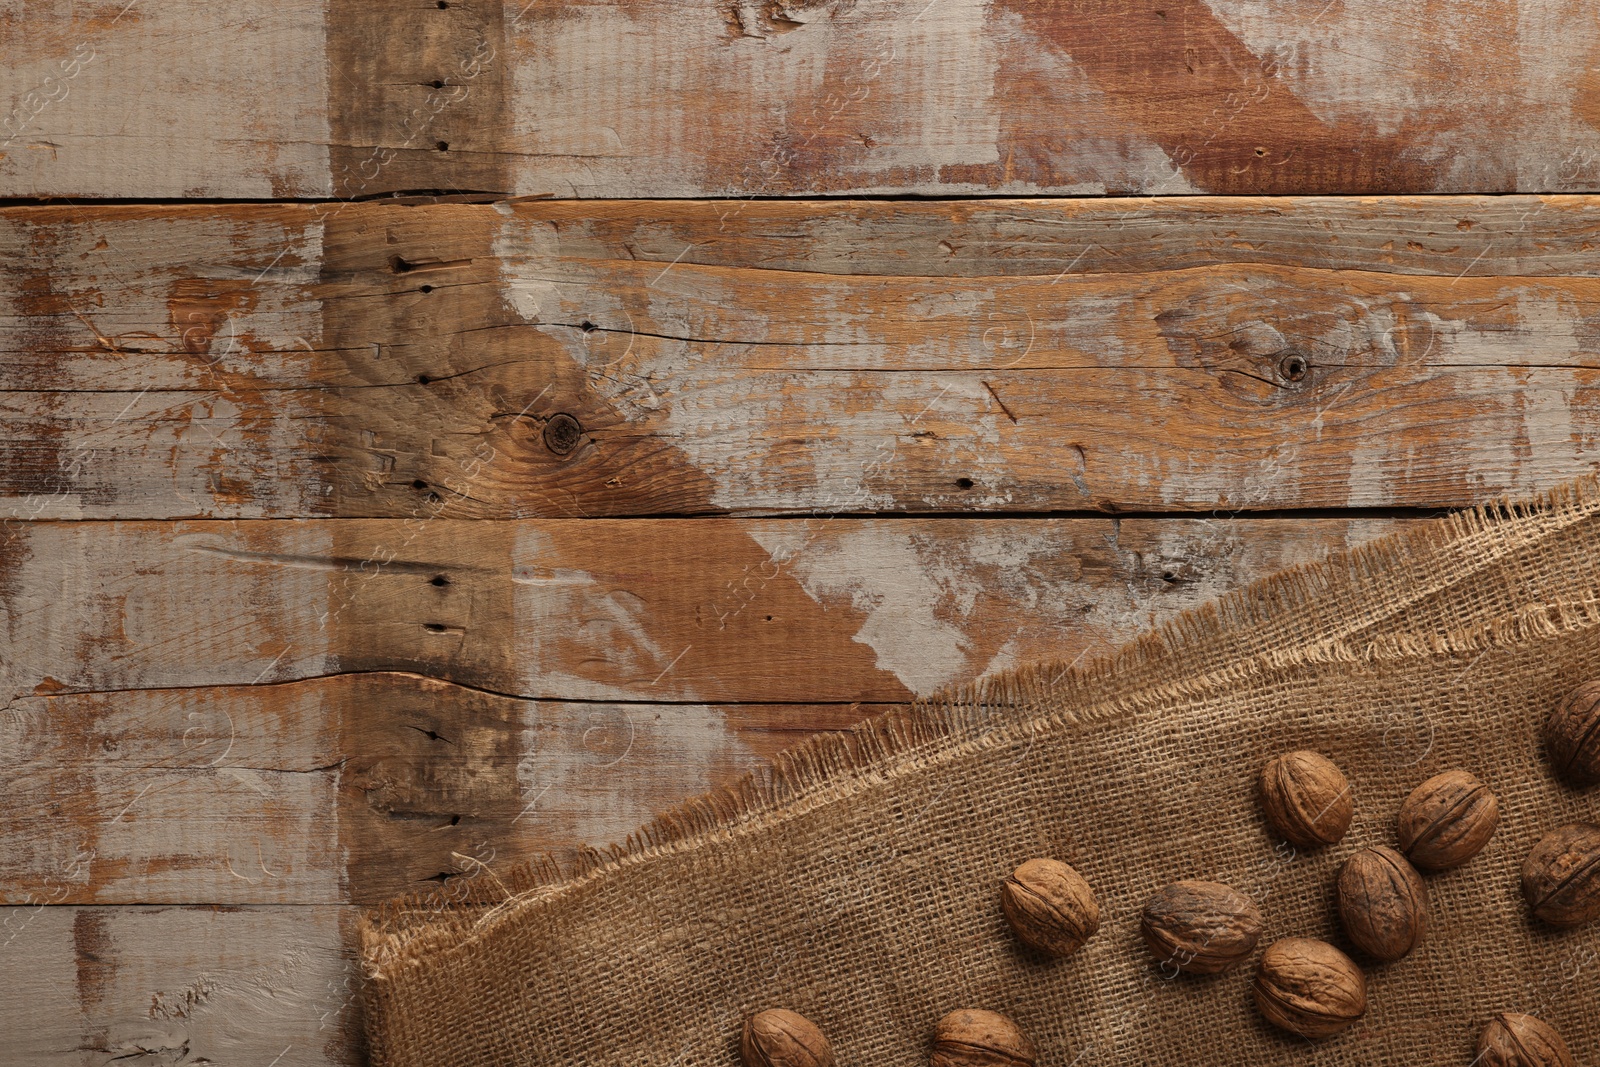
[881, 575]
[175, 796]
[229, 102]
[597, 774]
[101, 606]
[148, 359]
[560, 610]
[256, 987]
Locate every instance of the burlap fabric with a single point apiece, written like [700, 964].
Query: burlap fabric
[857, 882]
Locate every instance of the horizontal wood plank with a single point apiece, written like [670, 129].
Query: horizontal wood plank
[573, 360]
[225, 713]
[355, 787]
[733, 98]
[619, 610]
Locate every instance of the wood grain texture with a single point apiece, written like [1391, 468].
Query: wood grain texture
[240, 987]
[612, 610]
[575, 360]
[180, 98]
[225, 713]
[731, 98]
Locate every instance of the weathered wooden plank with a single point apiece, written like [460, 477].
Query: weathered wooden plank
[93, 106]
[355, 787]
[226, 713]
[242, 987]
[1028, 96]
[783, 97]
[630, 610]
[552, 360]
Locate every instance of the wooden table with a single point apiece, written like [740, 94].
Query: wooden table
[434, 432]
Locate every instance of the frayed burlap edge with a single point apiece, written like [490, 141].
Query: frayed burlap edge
[1229, 641]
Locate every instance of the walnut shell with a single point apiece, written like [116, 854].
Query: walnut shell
[1512, 1040]
[779, 1038]
[1561, 877]
[973, 1038]
[1309, 987]
[1199, 927]
[1572, 736]
[1382, 903]
[1447, 820]
[1050, 906]
[1307, 799]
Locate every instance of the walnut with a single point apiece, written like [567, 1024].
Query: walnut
[1561, 877]
[1512, 1040]
[1199, 927]
[779, 1038]
[1309, 987]
[971, 1038]
[1050, 906]
[1307, 799]
[1446, 820]
[1572, 736]
[1382, 903]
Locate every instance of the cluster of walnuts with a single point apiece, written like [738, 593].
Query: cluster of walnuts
[1302, 985]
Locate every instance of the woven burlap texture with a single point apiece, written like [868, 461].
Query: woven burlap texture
[857, 881]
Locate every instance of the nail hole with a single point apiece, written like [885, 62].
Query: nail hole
[438, 83]
[423, 379]
[455, 820]
[434, 627]
[439, 580]
[1294, 367]
[1261, 151]
[443, 146]
[419, 484]
[399, 265]
[964, 483]
[587, 327]
[424, 288]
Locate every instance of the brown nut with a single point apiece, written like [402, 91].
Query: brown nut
[1572, 736]
[1561, 877]
[1447, 820]
[1382, 903]
[972, 1038]
[1309, 987]
[779, 1038]
[1050, 906]
[1199, 927]
[1512, 1040]
[1307, 799]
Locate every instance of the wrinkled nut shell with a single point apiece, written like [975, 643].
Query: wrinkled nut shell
[1447, 820]
[1561, 877]
[972, 1038]
[1199, 927]
[1572, 736]
[1382, 903]
[1512, 1040]
[1050, 906]
[1309, 987]
[779, 1038]
[1307, 799]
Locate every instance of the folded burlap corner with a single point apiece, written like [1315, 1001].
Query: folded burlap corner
[856, 881]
